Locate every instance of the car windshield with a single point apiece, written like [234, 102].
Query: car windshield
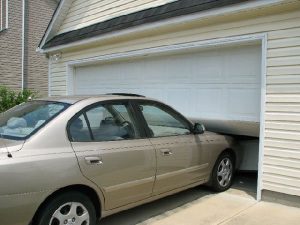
[23, 120]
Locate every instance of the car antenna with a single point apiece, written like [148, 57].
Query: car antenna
[9, 155]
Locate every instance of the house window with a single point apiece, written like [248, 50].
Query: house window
[3, 14]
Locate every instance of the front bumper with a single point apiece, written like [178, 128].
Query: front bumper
[19, 209]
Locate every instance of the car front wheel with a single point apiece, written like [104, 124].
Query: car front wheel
[72, 208]
[222, 175]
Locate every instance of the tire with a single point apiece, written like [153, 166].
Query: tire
[71, 208]
[223, 172]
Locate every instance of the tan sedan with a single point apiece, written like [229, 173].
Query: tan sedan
[74, 160]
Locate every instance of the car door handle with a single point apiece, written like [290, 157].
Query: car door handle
[93, 160]
[166, 152]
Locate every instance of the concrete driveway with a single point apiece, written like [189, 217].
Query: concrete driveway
[199, 206]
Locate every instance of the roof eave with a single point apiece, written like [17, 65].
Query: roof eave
[54, 24]
[251, 5]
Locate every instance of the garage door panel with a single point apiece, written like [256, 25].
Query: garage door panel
[243, 104]
[182, 95]
[243, 63]
[207, 102]
[157, 93]
[220, 83]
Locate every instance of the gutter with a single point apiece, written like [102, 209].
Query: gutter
[23, 42]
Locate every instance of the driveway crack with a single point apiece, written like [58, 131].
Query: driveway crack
[236, 214]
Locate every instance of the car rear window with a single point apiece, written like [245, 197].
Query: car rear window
[25, 119]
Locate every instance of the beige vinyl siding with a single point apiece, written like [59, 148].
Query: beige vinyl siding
[86, 12]
[281, 170]
[281, 165]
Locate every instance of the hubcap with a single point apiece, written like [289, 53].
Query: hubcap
[224, 173]
[71, 213]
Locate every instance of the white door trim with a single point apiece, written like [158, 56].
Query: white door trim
[264, 49]
[261, 37]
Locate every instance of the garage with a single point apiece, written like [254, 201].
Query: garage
[214, 83]
[234, 65]
[219, 86]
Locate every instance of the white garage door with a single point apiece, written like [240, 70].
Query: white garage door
[220, 83]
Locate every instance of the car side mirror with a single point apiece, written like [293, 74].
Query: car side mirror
[198, 128]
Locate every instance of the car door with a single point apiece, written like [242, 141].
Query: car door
[113, 152]
[182, 156]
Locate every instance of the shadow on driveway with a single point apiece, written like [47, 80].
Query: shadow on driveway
[159, 207]
[244, 184]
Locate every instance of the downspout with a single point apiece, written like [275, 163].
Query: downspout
[1, 16]
[23, 42]
[6, 14]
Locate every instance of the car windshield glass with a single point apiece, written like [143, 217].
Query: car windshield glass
[21, 121]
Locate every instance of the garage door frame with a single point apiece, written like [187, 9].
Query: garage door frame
[177, 48]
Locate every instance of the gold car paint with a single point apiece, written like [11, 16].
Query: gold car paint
[47, 163]
[180, 161]
[218, 143]
[126, 170]
[7, 146]
[18, 209]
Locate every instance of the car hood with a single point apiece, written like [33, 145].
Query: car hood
[7, 145]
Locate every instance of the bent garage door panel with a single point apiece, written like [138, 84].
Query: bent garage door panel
[216, 83]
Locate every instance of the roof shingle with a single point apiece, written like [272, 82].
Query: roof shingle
[170, 10]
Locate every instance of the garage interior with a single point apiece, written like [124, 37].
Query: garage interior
[218, 85]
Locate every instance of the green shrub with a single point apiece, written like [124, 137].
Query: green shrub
[9, 98]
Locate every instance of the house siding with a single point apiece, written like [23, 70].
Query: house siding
[37, 17]
[37, 66]
[83, 13]
[11, 48]
[281, 161]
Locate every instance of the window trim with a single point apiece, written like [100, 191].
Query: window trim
[164, 107]
[88, 125]
[3, 26]
[101, 103]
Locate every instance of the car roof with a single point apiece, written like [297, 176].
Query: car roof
[72, 99]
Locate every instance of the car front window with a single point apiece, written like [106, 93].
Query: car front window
[163, 123]
[23, 120]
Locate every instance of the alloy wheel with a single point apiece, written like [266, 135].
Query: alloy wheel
[224, 172]
[71, 213]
